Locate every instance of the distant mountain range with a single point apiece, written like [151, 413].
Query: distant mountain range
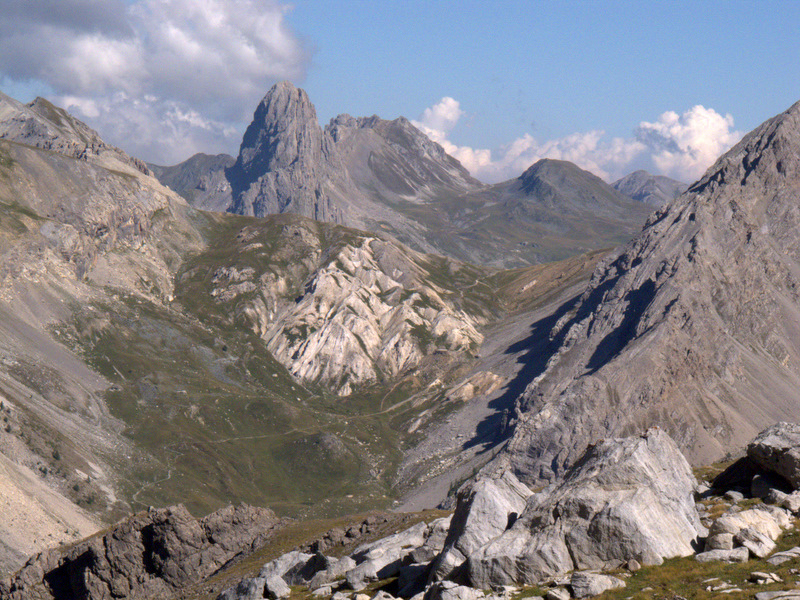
[387, 176]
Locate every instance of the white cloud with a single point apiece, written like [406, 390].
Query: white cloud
[202, 63]
[153, 127]
[439, 119]
[684, 146]
[679, 146]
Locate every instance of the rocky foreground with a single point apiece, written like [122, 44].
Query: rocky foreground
[627, 504]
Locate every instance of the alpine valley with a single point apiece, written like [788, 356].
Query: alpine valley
[341, 321]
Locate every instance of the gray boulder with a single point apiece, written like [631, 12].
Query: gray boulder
[791, 502]
[763, 520]
[736, 555]
[777, 449]
[335, 570]
[485, 508]
[625, 498]
[780, 595]
[786, 555]
[294, 567]
[247, 589]
[585, 584]
[558, 594]
[757, 543]
[275, 587]
[719, 541]
[434, 544]
[448, 590]
[384, 558]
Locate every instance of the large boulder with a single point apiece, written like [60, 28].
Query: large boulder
[585, 584]
[485, 508]
[766, 520]
[624, 499]
[152, 554]
[777, 449]
[383, 558]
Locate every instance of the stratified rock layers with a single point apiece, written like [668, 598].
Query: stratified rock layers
[694, 325]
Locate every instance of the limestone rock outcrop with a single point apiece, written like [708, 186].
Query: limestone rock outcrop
[624, 499]
[340, 308]
[777, 449]
[485, 508]
[152, 554]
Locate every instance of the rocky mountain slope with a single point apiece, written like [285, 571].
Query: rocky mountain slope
[388, 177]
[654, 190]
[44, 125]
[200, 179]
[148, 348]
[694, 325]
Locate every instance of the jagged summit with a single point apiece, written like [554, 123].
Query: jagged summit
[770, 154]
[284, 130]
[694, 325]
[387, 176]
[43, 125]
[284, 163]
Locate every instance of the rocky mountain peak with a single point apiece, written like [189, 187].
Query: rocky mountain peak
[43, 125]
[565, 186]
[766, 158]
[284, 130]
[285, 162]
[692, 325]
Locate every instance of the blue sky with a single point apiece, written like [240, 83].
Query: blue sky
[612, 86]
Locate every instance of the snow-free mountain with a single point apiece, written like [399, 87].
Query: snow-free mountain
[387, 176]
[655, 190]
[153, 353]
[694, 325]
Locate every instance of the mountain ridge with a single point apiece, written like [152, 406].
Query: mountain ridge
[387, 176]
[693, 324]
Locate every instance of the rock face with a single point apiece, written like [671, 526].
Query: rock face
[46, 126]
[343, 313]
[691, 326]
[777, 449]
[153, 554]
[624, 499]
[283, 161]
[486, 508]
[654, 190]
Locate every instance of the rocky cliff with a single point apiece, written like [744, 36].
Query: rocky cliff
[153, 554]
[46, 126]
[692, 326]
[285, 162]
